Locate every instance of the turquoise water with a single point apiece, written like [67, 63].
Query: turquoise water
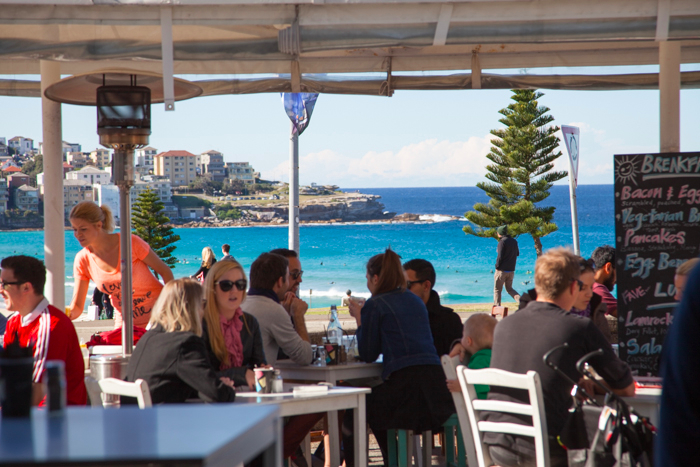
[333, 256]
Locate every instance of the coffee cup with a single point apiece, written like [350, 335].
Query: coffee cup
[264, 378]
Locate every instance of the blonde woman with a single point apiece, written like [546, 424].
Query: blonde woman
[99, 259]
[233, 338]
[208, 260]
[172, 357]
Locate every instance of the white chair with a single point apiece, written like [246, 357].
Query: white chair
[117, 387]
[535, 409]
[105, 350]
[449, 366]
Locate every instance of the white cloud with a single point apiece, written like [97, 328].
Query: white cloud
[427, 163]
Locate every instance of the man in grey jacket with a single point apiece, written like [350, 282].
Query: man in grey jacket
[269, 283]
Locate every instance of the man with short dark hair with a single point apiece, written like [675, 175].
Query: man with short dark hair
[295, 274]
[40, 326]
[269, 284]
[508, 253]
[445, 324]
[521, 340]
[605, 276]
[225, 249]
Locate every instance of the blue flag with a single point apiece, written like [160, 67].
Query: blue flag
[299, 107]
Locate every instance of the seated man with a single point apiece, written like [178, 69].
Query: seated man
[520, 341]
[445, 324]
[474, 349]
[269, 283]
[41, 326]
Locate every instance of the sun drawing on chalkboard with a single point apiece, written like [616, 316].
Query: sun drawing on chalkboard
[625, 170]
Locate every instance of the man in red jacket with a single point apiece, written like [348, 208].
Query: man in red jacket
[40, 326]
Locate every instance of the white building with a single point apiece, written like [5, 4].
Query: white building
[26, 198]
[109, 194]
[21, 144]
[92, 175]
[242, 171]
[212, 166]
[144, 160]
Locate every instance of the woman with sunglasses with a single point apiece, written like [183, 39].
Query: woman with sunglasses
[233, 337]
[172, 357]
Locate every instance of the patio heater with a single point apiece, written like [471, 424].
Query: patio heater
[124, 125]
[123, 99]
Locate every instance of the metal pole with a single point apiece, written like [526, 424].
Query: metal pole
[669, 96]
[123, 174]
[574, 212]
[293, 189]
[54, 216]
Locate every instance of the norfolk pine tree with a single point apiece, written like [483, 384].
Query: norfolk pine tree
[521, 173]
[150, 224]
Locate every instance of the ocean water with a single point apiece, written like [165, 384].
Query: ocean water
[334, 256]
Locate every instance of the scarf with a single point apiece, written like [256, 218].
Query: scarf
[232, 339]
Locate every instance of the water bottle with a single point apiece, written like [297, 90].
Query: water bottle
[335, 330]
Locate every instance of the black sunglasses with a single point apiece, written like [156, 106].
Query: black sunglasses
[296, 274]
[4, 284]
[580, 284]
[409, 284]
[240, 284]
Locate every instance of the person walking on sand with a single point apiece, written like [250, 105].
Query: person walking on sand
[508, 253]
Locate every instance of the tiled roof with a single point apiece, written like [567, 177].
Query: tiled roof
[175, 153]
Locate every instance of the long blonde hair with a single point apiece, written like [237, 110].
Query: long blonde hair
[211, 309]
[208, 257]
[92, 213]
[178, 307]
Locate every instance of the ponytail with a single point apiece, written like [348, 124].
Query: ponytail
[92, 213]
[387, 266]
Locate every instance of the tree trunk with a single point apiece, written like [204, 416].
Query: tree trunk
[538, 246]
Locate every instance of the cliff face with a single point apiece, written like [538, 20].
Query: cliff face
[345, 208]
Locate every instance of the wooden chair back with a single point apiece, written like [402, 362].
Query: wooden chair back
[499, 311]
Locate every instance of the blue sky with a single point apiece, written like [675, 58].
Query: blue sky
[430, 138]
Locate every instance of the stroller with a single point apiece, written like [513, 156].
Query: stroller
[602, 435]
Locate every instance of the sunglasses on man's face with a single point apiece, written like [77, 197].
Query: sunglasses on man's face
[296, 274]
[225, 286]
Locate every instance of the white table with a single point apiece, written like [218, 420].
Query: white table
[330, 373]
[336, 399]
[192, 435]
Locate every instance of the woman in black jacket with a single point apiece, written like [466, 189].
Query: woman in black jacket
[172, 356]
[233, 338]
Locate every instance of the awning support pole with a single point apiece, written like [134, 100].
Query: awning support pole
[54, 216]
[670, 96]
[293, 189]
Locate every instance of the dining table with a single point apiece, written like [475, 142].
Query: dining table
[320, 399]
[167, 435]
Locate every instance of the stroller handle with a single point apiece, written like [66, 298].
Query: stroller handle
[582, 361]
[545, 357]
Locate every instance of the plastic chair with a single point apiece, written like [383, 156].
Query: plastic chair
[535, 409]
[117, 387]
[460, 421]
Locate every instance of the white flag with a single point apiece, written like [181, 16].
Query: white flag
[571, 138]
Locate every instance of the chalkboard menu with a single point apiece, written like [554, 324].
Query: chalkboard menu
[657, 228]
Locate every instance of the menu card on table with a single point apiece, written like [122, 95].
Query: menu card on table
[657, 228]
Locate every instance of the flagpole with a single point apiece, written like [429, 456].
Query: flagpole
[574, 212]
[293, 189]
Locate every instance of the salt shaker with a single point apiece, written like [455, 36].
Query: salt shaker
[278, 383]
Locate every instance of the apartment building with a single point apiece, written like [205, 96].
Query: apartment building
[178, 166]
[17, 180]
[76, 159]
[101, 158]
[242, 171]
[109, 195]
[92, 175]
[212, 166]
[144, 160]
[26, 198]
[74, 192]
[4, 195]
